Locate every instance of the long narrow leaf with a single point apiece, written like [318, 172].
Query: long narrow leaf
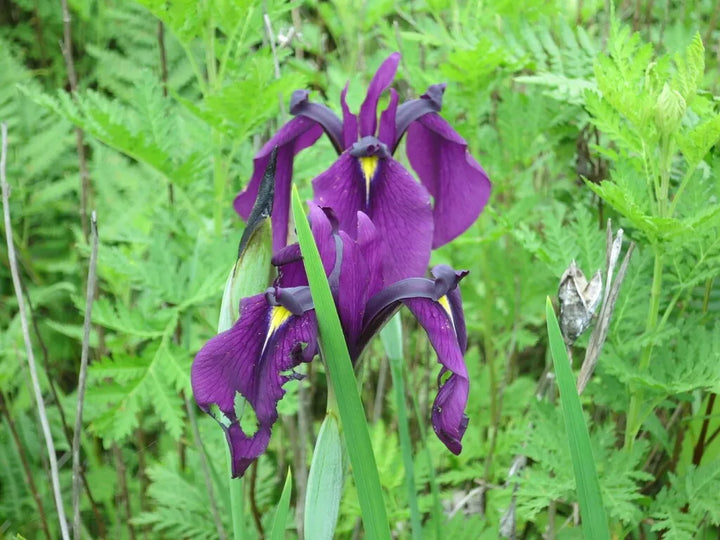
[352, 415]
[282, 511]
[325, 482]
[594, 520]
[391, 337]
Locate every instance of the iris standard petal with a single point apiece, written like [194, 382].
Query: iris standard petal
[296, 135]
[380, 82]
[448, 412]
[387, 132]
[350, 122]
[238, 375]
[454, 178]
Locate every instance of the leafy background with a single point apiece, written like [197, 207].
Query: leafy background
[579, 110]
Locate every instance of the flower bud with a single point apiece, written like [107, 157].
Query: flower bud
[252, 272]
[669, 110]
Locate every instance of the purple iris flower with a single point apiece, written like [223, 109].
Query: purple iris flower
[366, 178]
[242, 370]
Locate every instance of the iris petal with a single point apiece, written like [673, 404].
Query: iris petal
[397, 205]
[454, 178]
[448, 412]
[350, 122]
[250, 360]
[380, 82]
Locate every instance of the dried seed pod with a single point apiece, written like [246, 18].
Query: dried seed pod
[578, 301]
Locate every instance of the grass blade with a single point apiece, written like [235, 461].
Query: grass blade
[325, 482]
[594, 519]
[335, 352]
[391, 337]
[283, 509]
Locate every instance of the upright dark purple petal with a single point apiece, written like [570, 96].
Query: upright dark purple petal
[397, 205]
[387, 121]
[457, 182]
[360, 277]
[380, 82]
[249, 362]
[350, 121]
[296, 135]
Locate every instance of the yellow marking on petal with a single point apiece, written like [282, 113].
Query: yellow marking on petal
[443, 301]
[368, 165]
[278, 316]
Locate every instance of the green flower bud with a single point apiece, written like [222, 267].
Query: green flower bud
[669, 110]
[253, 272]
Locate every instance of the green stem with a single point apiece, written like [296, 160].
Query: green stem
[218, 183]
[236, 508]
[392, 340]
[634, 418]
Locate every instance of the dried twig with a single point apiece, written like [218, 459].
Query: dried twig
[66, 48]
[53, 392]
[26, 466]
[612, 290]
[82, 378]
[12, 260]
[271, 39]
[123, 497]
[205, 469]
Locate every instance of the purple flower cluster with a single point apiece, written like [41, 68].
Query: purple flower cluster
[375, 227]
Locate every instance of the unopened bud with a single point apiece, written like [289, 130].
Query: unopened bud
[669, 110]
[578, 301]
[252, 272]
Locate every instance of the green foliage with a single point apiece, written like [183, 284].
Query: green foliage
[577, 119]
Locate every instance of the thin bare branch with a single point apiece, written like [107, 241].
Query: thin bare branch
[66, 48]
[122, 498]
[205, 469]
[612, 290]
[26, 466]
[12, 260]
[82, 379]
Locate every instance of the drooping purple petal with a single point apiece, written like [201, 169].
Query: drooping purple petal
[387, 132]
[380, 82]
[397, 205]
[400, 210]
[251, 359]
[453, 177]
[342, 188]
[296, 135]
[350, 122]
[448, 412]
